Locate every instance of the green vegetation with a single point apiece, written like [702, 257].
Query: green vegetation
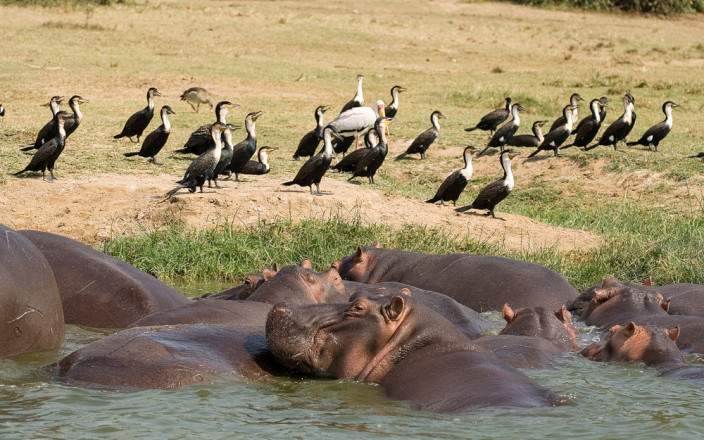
[660, 7]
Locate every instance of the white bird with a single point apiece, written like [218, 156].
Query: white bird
[356, 121]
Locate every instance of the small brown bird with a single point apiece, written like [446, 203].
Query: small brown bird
[195, 96]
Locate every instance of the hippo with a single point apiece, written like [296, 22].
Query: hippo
[683, 298]
[210, 311]
[465, 319]
[532, 337]
[412, 352]
[300, 284]
[168, 357]
[31, 317]
[479, 282]
[98, 290]
[654, 346]
[243, 291]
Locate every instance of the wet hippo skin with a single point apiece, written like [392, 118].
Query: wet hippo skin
[479, 282]
[300, 284]
[98, 290]
[31, 316]
[211, 311]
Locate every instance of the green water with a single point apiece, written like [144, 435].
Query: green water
[606, 402]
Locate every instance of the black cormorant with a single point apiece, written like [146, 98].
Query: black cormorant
[74, 121]
[493, 119]
[201, 140]
[358, 99]
[225, 155]
[528, 140]
[2, 111]
[556, 137]
[652, 137]
[312, 172]
[424, 140]
[195, 96]
[453, 185]
[46, 156]
[372, 158]
[49, 130]
[495, 192]
[155, 140]
[506, 131]
[619, 129]
[574, 103]
[588, 127]
[392, 108]
[349, 163]
[242, 152]
[261, 165]
[139, 121]
[310, 141]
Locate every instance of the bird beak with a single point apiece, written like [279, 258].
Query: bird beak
[324, 108]
[233, 105]
[402, 89]
[171, 112]
[675, 105]
[579, 98]
[83, 101]
[521, 108]
[270, 148]
[257, 115]
[442, 116]
[157, 93]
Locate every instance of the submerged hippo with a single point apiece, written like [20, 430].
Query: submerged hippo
[31, 317]
[300, 284]
[413, 353]
[98, 290]
[250, 283]
[211, 311]
[683, 298]
[532, 337]
[479, 282]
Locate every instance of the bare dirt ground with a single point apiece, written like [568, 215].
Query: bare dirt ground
[93, 209]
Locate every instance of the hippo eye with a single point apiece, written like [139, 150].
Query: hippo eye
[356, 309]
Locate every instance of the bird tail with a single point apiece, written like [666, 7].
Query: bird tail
[630, 144]
[471, 128]
[19, 172]
[591, 147]
[289, 183]
[433, 200]
[27, 148]
[173, 192]
[130, 154]
[534, 153]
[183, 150]
[463, 208]
[118, 136]
[401, 156]
[567, 146]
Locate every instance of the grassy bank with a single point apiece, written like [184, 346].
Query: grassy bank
[660, 7]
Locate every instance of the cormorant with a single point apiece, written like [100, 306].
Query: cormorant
[574, 103]
[138, 122]
[225, 155]
[697, 156]
[372, 158]
[201, 169]
[310, 141]
[424, 140]
[555, 138]
[260, 166]
[49, 130]
[658, 132]
[156, 140]
[49, 152]
[244, 151]
[604, 101]
[495, 192]
[195, 96]
[453, 185]
[528, 140]
[619, 129]
[201, 140]
[2, 110]
[349, 163]
[312, 172]
[506, 131]
[493, 119]
[588, 127]
[354, 123]
[358, 99]
[392, 108]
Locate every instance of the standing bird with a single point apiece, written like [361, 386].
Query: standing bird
[604, 101]
[139, 121]
[358, 99]
[2, 111]
[49, 130]
[575, 98]
[504, 134]
[261, 165]
[588, 127]
[453, 185]
[528, 140]
[493, 119]
[619, 129]
[201, 169]
[195, 96]
[652, 137]
[74, 121]
[201, 140]
[392, 108]
[556, 137]
[372, 158]
[424, 140]
[242, 152]
[354, 123]
[312, 172]
[495, 192]
[155, 140]
[49, 152]
[225, 155]
[350, 162]
[310, 141]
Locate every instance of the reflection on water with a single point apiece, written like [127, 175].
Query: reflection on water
[606, 401]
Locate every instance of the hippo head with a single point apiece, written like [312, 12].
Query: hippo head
[621, 299]
[300, 284]
[581, 303]
[356, 267]
[537, 321]
[637, 343]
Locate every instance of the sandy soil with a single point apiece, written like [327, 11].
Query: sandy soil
[93, 209]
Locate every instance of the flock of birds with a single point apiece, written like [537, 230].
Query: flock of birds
[217, 155]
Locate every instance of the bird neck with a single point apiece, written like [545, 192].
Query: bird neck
[435, 121]
[569, 119]
[54, 106]
[150, 101]
[359, 96]
[516, 116]
[62, 129]
[264, 159]
[508, 173]
[328, 143]
[668, 116]
[76, 107]
[319, 115]
[628, 112]
[217, 140]
[538, 132]
[394, 99]
[165, 121]
[596, 113]
[508, 105]
[468, 169]
[251, 128]
[222, 115]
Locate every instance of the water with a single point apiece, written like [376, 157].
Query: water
[606, 402]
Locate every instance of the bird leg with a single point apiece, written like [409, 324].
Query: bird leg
[215, 179]
[317, 188]
[422, 156]
[51, 173]
[311, 189]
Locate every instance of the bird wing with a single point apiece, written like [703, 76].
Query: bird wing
[152, 140]
[354, 119]
[559, 121]
[422, 140]
[654, 132]
[490, 195]
[494, 117]
[447, 183]
[523, 140]
[138, 118]
[555, 138]
[309, 167]
[503, 134]
[43, 154]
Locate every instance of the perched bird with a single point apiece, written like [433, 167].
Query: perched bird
[619, 129]
[195, 96]
[261, 165]
[588, 127]
[139, 121]
[225, 155]
[201, 169]
[493, 119]
[155, 140]
[49, 130]
[555, 138]
[74, 121]
[392, 108]
[372, 158]
[242, 152]
[358, 99]
[49, 152]
[652, 137]
[312, 172]
[201, 140]
[504, 134]
[453, 185]
[349, 163]
[310, 141]
[604, 101]
[528, 140]
[575, 98]
[353, 123]
[424, 140]
[495, 192]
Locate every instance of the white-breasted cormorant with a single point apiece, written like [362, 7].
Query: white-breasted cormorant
[556, 137]
[453, 185]
[652, 136]
[504, 133]
[575, 98]
[358, 99]
[2, 111]
[261, 165]
[424, 140]
[243, 151]
[312, 172]
[225, 154]
[528, 140]
[72, 123]
[588, 127]
[195, 96]
[354, 123]
[392, 108]
[310, 141]
[201, 140]
[493, 119]
[349, 163]
[139, 121]
[495, 192]
[46, 156]
[371, 159]
[155, 140]
[49, 130]
[619, 129]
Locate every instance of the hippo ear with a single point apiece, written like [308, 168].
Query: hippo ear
[673, 332]
[631, 328]
[615, 329]
[564, 315]
[336, 265]
[376, 245]
[306, 264]
[395, 308]
[609, 281]
[360, 254]
[665, 304]
[275, 267]
[406, 291]
[604, 294]
[594, 352]
[268, 274]
[508, 312]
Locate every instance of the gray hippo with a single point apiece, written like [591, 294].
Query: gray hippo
[300, 284]
[211, 311]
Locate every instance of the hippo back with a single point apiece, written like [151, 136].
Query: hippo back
[211, 311]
